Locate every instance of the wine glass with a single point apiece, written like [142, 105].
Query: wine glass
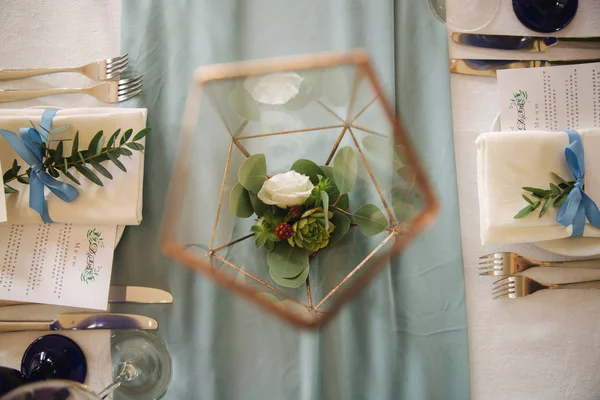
[141, 370]
[465, 15]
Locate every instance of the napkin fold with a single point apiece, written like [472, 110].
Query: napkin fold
[508, 161]
[118, 202]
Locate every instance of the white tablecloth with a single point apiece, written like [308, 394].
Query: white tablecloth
[545, 346]
[45, 33]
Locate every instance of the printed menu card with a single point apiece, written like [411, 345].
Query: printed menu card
[550, 98]
[62, 264]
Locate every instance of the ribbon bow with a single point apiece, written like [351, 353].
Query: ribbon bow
[578, 204]
[31, 152]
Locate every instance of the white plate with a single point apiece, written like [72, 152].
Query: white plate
[574, 247]
[120, 228]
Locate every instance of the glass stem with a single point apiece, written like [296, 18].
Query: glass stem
[128, 372]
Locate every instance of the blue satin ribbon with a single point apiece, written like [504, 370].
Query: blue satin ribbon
[578, 204]
[24, 145]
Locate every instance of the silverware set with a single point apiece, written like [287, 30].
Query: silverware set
[488, 67]
[101, 320]
[112, 91]
[515, 286]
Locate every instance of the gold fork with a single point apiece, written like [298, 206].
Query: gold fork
[513, 287]
[108, 92]
[506, 264]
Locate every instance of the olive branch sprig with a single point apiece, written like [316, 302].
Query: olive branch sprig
[57, 163]
[544, 198]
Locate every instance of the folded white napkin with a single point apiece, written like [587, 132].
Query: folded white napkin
[507, 161]
[119, 202]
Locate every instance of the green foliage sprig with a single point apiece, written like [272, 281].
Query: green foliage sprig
[57, 163]
[538, 198]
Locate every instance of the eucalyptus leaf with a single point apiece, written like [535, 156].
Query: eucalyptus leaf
[406, 204]
[258, 206]
[85, 171]
[382, 151]
[23, 179]
[115, 159]
[253, 173]
[75, 146]
[286, 261]
[342, 226]
[527, 199]
[243, 104]
[127, 134]
[71, 177]
[113, 138]
[525, 211]
[141, 134]
[325, 198]
[294, 282]
[370, 220]
[555, 189]
[135, 146]
[125, 152]
[343, 203]
[9, 189]
[81, 157]
[545, 207]
[308, 168]
[60, 129]
[53, 172]
[96, 143]
[58, 155]
[344, 169]
[239, 202]
[535, 205]
[557, 177]
[100, 168]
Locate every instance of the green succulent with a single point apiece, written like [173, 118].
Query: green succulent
[310, 232]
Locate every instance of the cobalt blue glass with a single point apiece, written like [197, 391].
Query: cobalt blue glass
[54, 357]
[10, 379]
[545, 15]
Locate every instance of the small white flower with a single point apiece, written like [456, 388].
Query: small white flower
[278, 88]
[286, 190]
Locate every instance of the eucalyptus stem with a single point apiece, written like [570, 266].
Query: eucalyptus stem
[544, 198]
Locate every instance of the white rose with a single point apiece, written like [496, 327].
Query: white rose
[276, 88]
[285, 190]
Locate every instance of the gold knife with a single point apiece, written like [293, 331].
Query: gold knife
[489, 67]
[124, 294]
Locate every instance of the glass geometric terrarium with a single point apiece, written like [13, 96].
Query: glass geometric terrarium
[295, 182]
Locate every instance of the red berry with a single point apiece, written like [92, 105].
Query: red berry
[295, 212]
[284, 231]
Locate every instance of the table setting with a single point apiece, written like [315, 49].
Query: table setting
[176, 215]
[525, 121]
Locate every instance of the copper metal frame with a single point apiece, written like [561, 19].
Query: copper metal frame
[402, 233]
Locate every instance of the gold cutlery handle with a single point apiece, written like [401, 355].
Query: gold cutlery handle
[15, 95]
[593, 264]
[23, 326]
[578, 285]
[9, 74]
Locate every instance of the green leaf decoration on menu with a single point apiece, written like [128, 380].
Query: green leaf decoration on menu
[544, 198]
[345, 169]
[239, 202]
[243, 104]
[57, 161]
[370, 220]
[253, 173]
[286, 261]
[308, 168]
